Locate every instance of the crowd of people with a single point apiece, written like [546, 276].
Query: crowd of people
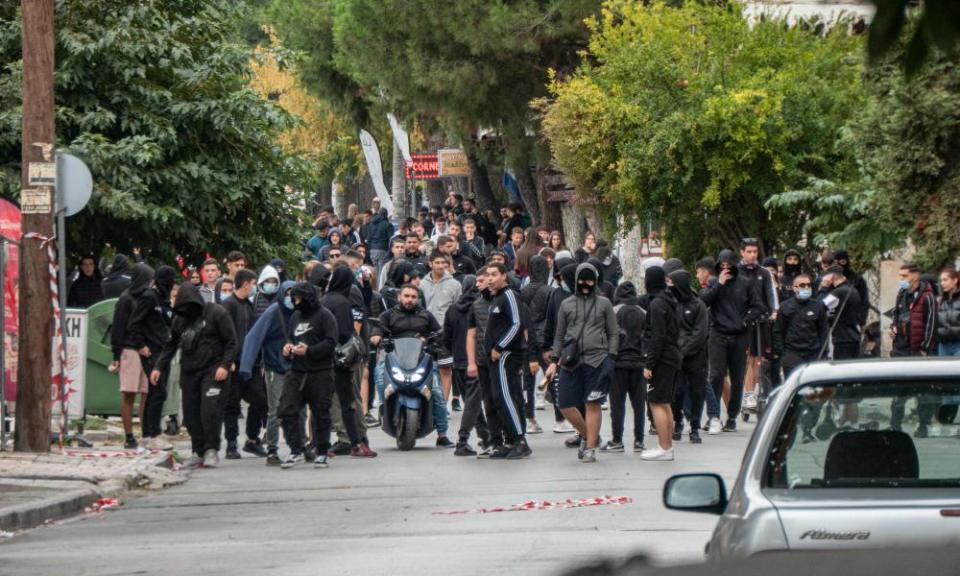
[521, 322]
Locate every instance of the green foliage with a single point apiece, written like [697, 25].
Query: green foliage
[936, 28]
[690, 113]
[154, 96]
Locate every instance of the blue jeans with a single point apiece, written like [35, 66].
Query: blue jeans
[439, 404]
[713, 403]
[950, 349]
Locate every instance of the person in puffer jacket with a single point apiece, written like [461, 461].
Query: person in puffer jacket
[948, 314]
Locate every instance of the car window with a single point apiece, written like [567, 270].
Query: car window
[868, 434]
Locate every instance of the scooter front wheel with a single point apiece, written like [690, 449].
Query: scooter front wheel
[407, 430]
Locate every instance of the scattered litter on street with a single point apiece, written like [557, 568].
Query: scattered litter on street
[545, 505]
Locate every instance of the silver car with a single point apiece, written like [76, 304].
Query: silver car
[860, 454]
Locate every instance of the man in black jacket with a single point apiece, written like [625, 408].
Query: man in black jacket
[734, 302]
[842, 259]
[694, 322]
[759, 329]
[126, 352]
[118, 279]
[311, 346]
[149, 327]
[243, 315]
[208, 345]
[800, 332]
[845, 310]
[349, 325]
[566, 271]
[456, 325]
[478, 364]
[85, 286]
[628, 369]
[661, 354]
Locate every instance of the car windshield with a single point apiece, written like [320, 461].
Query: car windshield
[868, 434]
[406, 352]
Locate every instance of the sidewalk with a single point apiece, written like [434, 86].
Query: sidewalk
[37, 488]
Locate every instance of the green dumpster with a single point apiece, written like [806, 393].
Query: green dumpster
[102, 395]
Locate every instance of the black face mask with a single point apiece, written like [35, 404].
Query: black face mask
[791, 269]
[586, 289]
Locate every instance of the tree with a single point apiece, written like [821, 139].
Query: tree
[154, 96]
[691, 115]
[936, 28]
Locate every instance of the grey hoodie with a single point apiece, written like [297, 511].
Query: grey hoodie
[440, 295]
[601, 334]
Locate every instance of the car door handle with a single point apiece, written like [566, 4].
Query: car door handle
[950, 512]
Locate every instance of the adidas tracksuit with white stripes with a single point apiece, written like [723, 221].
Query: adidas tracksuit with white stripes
[505, 334]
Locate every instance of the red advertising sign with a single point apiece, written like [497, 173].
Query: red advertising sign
[424, 167]
[10, 228]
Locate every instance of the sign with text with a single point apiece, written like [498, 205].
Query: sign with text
[42, 174]
[452, 162]
[75, 325]
[35, 201]
[424, 167]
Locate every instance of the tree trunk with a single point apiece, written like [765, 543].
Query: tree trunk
[436, 193]
[528, 192]
[552, 216]
[481, 185]
[339, 197]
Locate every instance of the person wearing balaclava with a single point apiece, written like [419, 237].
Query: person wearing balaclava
[628, 370]
[128, 348]
[604, 287]
[118, 279]
[842, 259]
[149, 327]
[662, 357]
[792, 267]
[204, 335]
[693, 323]
[584, 346]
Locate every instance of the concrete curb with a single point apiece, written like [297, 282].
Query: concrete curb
[33, 514]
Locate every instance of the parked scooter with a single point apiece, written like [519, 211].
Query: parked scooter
[408, 372]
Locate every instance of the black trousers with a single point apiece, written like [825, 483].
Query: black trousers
[491, 409]
[627, 382]
[254, 392]
[791, 360]
[472, 417]
[507, 386]
[728, 353]
[156, 396]
[529, 393]
[691, 391]
[346, 394]
[203, 400]
[313, 389]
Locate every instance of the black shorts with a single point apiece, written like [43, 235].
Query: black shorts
[759, 341]
[662, 388]
[585, 385]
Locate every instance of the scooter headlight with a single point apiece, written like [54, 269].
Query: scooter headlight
[418, 375]
[397, 374]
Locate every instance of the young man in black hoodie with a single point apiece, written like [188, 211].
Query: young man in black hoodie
[734, 302]
[456, 325]
[628, 369]
[694, 323]
[243, 314]
[311, 346]
[128, 351]
[760, 329]
[661, 353]
[478, 363]
[349, 325]
[566, 277]
[800, 332]
[149, 327]
[208, 345]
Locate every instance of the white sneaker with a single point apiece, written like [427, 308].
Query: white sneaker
[534, 428]
[291, 461]
[540, 404]
[715, 427]
[749, 400]
[157, 443]
[211, 459]
[563, 428]
[657, 454]
[193, 462]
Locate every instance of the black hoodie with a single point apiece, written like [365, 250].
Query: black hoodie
[85, 291]
[568, 273]
[215, 345]
[457, 322]
[140, 278]
[312, 324]
[692, 315]
[337, 301]
[790, 271]
[734, 304]
[662, 334]
[149, 324]
[536, 293]
[119, 278]
[632, 321]
[391, 290]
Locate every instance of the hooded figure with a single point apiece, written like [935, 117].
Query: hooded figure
[138, 280]
[400, 274]
[791, 271]
[590, 313]
[268, 287]
[628, 373]
[606, 288]
[268, 335]
[85, 291]
[611, 270]
[672, 265]
[325, 251]
[536, 293]
[842, 257]
[693, 322]
[118, 279]
[281, 267]
[567, 276]
[661, 349]
[457, 322]
[337, 301]
[632, 320]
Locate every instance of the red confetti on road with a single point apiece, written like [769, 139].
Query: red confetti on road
[103, 504]
[545, 505]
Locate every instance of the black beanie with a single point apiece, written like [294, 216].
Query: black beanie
[655, 280]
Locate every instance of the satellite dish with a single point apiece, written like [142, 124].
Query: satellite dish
[74, 184]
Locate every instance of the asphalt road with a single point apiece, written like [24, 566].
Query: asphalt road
[381, 516]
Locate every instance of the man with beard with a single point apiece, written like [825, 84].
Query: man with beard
[204, 335]
[462, 265]
[662, 358]
[586, 341]
[149, 328]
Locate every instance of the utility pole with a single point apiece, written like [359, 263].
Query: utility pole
[34, 364]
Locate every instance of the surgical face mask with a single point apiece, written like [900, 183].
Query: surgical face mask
[565, 287]
[270, 288]
[253, 293]
[288, 302]
[904, 284]
[804, 293]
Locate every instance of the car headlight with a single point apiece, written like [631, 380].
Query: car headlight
[396, 373]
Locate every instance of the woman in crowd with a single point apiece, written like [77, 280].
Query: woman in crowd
[948, 314]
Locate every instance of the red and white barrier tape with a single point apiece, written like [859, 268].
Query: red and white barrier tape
[103, 504]
[120, 454]
[64, 388]
[545, 505]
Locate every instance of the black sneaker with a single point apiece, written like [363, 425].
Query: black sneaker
[638, 446]
[131, 443]
[255, 447]
[612, 446]
[573, 441]
[371, 420]
[581, 449]
[341, 448]
[309, 453]
[464, 449]
[677, 434]
[444, 442]
[731, 425]
[273, 459]
[653, 429]
[519, 451]
[695, 437]
[500, 452]
[232, 452]
[455, 404]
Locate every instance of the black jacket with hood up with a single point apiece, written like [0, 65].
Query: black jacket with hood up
[216, 343]
[312, 324]
[732, 305]
[536, 293]
[632, 320]
[337, 301]
[457, 322]
[692, 315]
[568, 272]
[119, 279]
[662, 334]
[141, 276]
[149, 325]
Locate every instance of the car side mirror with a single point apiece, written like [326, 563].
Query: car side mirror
[704, 493]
